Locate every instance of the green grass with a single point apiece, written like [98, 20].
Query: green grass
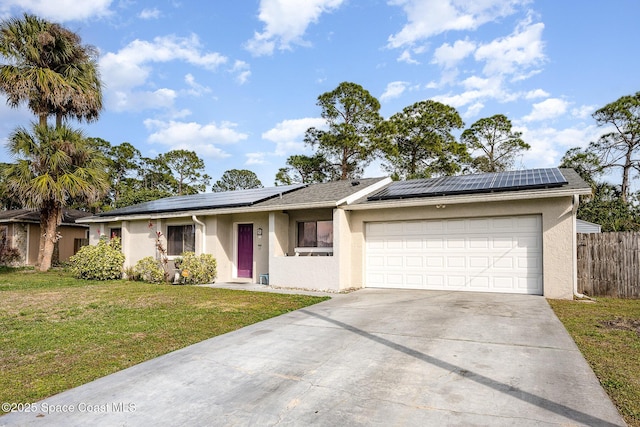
[57, 332]
[607, 333]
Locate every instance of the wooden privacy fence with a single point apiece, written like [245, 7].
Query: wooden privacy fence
[609, 264]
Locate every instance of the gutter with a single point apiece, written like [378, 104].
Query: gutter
[576, 202]
[204, 232]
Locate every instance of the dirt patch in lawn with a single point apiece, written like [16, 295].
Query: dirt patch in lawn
[622, 324]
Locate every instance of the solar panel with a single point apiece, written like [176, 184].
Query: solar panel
[225, 199]
[470, 184]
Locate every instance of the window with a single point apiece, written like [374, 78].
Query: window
[115, 232]
[78, 243]
[315, 234]
[180, 238]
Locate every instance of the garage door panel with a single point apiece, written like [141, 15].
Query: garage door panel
[414, 244]
[435, 261]
[479, 242]
[415, 262]
[456, 262]
[501, 254]
[435, 243]
[455, 243]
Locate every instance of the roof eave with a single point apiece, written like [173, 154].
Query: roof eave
[209, 212]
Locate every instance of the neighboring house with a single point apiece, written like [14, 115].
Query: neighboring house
[587, 227]
[20, 229]
[500, 232]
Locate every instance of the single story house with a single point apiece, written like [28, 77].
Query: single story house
[497, 232]
[20, 229]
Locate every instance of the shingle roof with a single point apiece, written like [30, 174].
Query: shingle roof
[69, 216]
[329, 193]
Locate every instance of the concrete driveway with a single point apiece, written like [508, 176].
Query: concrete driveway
[372, 357]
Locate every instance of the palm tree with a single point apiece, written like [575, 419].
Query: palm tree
[49, 69]
[54, 166]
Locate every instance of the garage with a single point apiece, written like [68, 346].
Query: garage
[489, 254]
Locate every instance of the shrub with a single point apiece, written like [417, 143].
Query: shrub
[9, 256]
[197, 270]
[149, 270]
[103, 261]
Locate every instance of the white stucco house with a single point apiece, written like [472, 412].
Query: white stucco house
[501, 232]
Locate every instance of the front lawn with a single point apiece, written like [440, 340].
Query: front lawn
[57, 332]
[607, 333]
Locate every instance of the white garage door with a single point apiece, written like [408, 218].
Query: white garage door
[498, 254]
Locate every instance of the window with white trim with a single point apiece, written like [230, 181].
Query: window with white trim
[315, 234]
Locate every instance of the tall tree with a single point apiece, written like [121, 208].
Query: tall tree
[48, 68]
[352, 117]
[585, 163]
[620, 148]
[53, 166]
[187, 169]
[421, 143]
[605, 205]
[496, 142]
[306, 170]
[236, 179]
[45, 66]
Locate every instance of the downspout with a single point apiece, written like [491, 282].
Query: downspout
[204, 232]
[576, 201]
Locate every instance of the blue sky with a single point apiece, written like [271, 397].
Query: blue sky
[237, 81]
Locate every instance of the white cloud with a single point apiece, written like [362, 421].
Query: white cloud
[59, 10]
[394, 90]
[194, 136]
[515, 53]
[196, 89]
[550, 108]
[427, 18]
[448, 55]
[289, 134]
[131, 67]
[256, 159]
[583, 111]
[286, 22]
[405, 56]
[537, 93]
[476, 90]
[149, 14]
[473, 110]
[241, 69]
[142, 100]
[548, 144]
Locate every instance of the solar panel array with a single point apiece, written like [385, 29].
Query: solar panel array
[225, 199]
[470, 184]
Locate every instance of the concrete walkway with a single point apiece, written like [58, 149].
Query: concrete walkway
[371, 357]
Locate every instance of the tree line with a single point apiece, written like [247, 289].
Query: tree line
[47, 67]
[417, 142]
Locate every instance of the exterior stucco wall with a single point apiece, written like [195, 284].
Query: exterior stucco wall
[557, 234]
[66, 243]
[310, 272]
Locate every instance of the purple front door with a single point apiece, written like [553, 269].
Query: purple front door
[245, 250]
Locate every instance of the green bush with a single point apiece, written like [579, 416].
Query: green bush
[149, 270]
[103, 261]
[198, 270]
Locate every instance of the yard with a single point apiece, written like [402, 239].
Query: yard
[57, 332]
[607, 333]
